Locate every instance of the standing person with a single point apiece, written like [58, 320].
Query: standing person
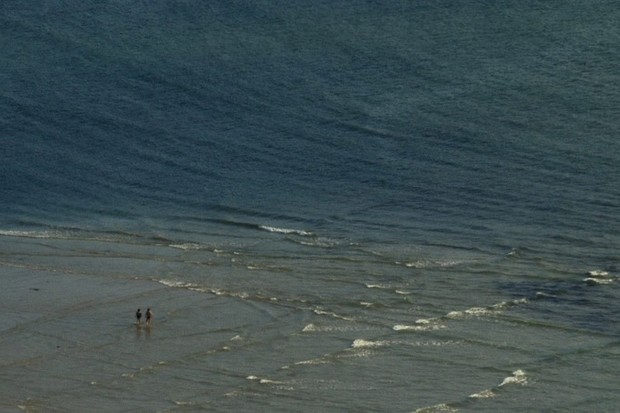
[138, 316]
[149, 315]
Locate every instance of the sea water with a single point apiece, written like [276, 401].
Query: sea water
[403, 206]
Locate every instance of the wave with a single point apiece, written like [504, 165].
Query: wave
[202, 289]
[364, 343]
[436, 323]
[188, 246]
[598, 281]
[286, 231]
[29, 234]
[424, 264]
[437, 408]
[74, 233]
[420, 325]
[518, 377]
[598, 277]
[315, 328]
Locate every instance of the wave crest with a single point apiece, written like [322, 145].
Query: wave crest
[286, 230]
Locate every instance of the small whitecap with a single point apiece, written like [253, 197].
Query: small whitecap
[598, 273]
[178, 284]
[188, 246]
[455, 314]
[478, 311]
[318, 311]
[362, 343]
[269, 381]
[418, 327]
[484, 394]
[285, 230]
[378, 286]
[309, 328]
[27, 234]
[540, 294]
[416, 264]
[518, 377]
[598, 281]
[311, 362]
[438, 408]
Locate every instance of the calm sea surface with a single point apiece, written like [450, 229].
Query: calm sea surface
[334, 206]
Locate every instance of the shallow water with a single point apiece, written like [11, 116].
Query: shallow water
[405, 207]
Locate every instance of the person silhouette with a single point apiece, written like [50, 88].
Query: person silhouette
[149, 315]
[138, 316]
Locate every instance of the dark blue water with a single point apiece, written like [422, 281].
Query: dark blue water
[346, 143]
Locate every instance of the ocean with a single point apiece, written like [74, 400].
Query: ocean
[329, 206]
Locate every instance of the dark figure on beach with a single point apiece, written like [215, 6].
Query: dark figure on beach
[149, 314]
[138, 316]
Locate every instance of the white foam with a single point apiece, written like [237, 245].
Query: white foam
[361, 343]
[313, 328]
[182, 403]
[198, 288]
[379, 286]
[279, 384]
[269, 381]
[188, 246]
[421, 325]
[420, 264]
[285, 230]
[518, 377]
[312, 362]
[484, 394]
[598, 277]
[177, 284]
[310, 328]
[598, 281]
[318, 311]
[27, 234]
[358, 353]
[442, 407]
[486, 311]
[598, 273]
[319, 242]
[434, 323]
